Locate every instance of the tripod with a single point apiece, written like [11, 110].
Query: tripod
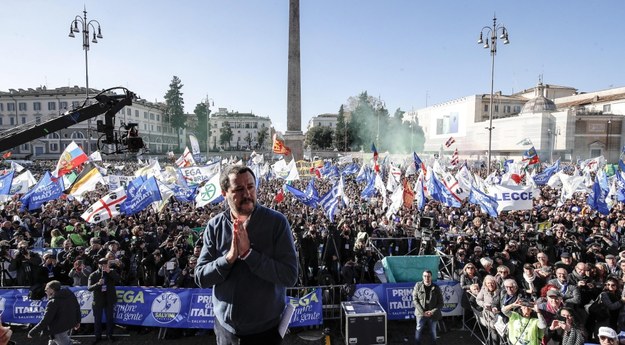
[332, 271]
[5, 276]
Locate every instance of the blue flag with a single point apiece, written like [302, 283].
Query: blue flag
[440, 193]
[5, 183]
[134, 185]
[301, 196]
[350, 169]
[542, 178]
[621, 163]
[486, 202]
[184, 193]
[369, 190]
[417, 161]
[620, 186]
[330, 202]
[45, 190]
[146, 194]
[311, 191]
[364, 174]
[596, 199]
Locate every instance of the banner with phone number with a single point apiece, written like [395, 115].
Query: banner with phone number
[154, 307]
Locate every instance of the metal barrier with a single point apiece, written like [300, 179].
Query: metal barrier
[331, 298]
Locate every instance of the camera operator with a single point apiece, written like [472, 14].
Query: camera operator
[309, 250]
[26, 264]
[8, 276]
[137, 253]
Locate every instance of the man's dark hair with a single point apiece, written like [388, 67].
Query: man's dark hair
[224, 179]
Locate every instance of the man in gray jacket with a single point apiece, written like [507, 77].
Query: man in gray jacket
[428, 302]
[249, 259]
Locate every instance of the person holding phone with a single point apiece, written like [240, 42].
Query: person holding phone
[566, 325]
[249, 259]
[102, 284]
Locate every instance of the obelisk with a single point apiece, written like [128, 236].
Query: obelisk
[294, 138]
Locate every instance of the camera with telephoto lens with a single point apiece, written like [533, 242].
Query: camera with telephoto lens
[23, 251]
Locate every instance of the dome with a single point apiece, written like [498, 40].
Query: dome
[538, 104]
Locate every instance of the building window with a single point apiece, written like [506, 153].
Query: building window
[23, 119]
[51, 105]
[152, 128]
[1, 106]
[517, 108]
[485, 107]
[37, 106]
[158, 128]
[606, 108]
[22, 106]
[506, 109]
[151, 116]
[25, 147]
[145, 115]
[10, 106]
[1, 118]
[38, 119]
[75, 104]
[78, 135]
[496, 108]
[54, 147]
[158, 117]
[136, 113]
[11, 120]
[63, 105]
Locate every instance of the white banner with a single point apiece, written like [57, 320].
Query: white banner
[513, 197]
[196, 175]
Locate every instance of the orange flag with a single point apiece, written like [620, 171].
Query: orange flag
[279, 147]
[408, 194]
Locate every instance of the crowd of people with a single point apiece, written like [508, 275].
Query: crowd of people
[564, 262]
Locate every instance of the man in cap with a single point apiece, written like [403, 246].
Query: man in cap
[102, 284]
[566, 261]
[61, 315]
[607, 336]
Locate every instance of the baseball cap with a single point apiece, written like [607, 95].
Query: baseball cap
[565, 255]
[607, 332]
[554, 293]
[609, 256]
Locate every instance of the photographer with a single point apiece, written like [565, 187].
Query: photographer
[526, 325]
[80, 273]
[26, 264]
[309, 251]
[186, 279]
[7, 277]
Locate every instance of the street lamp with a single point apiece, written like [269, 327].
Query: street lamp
[84, 29]
[503, 34]
[208, 133]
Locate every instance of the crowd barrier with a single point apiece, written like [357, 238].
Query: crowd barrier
[192, 308]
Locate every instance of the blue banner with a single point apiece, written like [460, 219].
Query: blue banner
[154, 307]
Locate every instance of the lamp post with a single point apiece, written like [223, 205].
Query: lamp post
[208, 132]
[84, 29]
[492, 32]
[607, 142]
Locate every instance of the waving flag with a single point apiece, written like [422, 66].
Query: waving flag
[330, 202]
[530, 156]
[419, 189]
[301, 196]
[106, 208]
[209, 193]
[88, 178]
[376, 167]
[279, 147]
[186, 160]
[621, 162]
[408, 193]
[311, 191]
[46, 189]
[486, 202]
[450, 142]
[71, 158]
[184, 193]
[542, 178]
[417, 161]
[440, 193]
[596, 199]
[146, 194]
[5, 183]
[454, 158]
[369, 189]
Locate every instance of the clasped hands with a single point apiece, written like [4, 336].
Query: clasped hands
[240, 241]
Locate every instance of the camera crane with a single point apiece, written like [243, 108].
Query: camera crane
[110, 142]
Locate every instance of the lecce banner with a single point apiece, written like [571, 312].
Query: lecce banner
[169, 308]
